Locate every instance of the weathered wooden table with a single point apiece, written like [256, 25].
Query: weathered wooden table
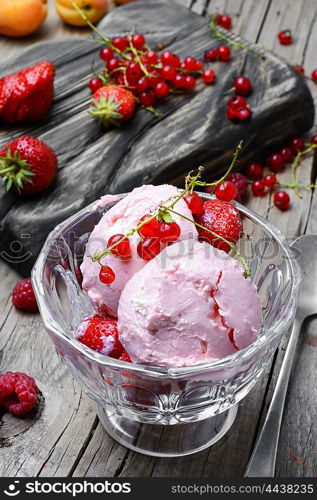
[65, 438]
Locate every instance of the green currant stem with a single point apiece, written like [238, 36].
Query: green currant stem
[136, 53]
[162, 209]
[240, 257]
[220, 35]
[104, 39]
[232, 164]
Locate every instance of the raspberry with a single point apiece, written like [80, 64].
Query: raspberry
[101, 335]
[241, 183]
[23, 296]
[18, 393]
[221, 218]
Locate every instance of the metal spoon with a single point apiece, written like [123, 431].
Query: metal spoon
[263, 458]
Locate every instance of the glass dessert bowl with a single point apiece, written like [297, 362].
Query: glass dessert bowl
[164, 411]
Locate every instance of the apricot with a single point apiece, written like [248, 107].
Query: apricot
[21, 17]
[94, 10]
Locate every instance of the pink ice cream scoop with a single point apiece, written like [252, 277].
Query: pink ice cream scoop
[189, 305]
[120, 219]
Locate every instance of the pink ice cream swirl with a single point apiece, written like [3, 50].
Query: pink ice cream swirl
[120, 219]
[189, 305]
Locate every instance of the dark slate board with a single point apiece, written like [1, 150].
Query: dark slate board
[193, 131]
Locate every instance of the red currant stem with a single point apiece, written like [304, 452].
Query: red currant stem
[162, 210]
[220, 35]
[240, 257]
[295, 165]
[104, 39]
[135, 52]
[156, 112]
[232, 164]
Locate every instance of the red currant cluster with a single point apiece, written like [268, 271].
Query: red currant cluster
[275, 162]
[130, 63]
[237, 107]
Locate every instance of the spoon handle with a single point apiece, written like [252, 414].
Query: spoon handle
[263, 458]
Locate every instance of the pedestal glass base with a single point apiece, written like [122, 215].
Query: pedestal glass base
[167, 440]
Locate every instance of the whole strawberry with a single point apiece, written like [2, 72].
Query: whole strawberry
[27, 96]
[27, 164]
[223, 219]
[18, 393]
[23, 296]
[112, 105]
[101, 335]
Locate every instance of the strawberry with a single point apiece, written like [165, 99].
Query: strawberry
[101, 335]
[222, 218]
[27, 96]
[28, 164]
[112, 105]
[23, 296]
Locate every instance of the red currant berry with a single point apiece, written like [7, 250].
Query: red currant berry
[179, 81]
[148, 249]
[314, 75]
[167, 57]
[254, 171]
[287, 154]
[281, 200]
[169, 232]
[176, 62]
[194, 202]
[120, 43]
[208, 76]
[113, 64]
[237, 101]
[242, 85]
[106, 275]
[106, 53]
[285, 37]
[226, 191]
[122, 249]
[190, 63]
[231, 113]
[138, 41]
[190, 82]
[134, 72]
[142, 85]
[151, 229]
[313, 140]
[224, 53]
[300, 69]
[275, 162]
[224, 21]
[168, 73]
[258, 188]
[151, 56]
[241, 183]
[297, 144]
[270, 180]
[161, 90]
[146, 98]
[199, 66]
[95, 84]
[210, 55]
[242, 113]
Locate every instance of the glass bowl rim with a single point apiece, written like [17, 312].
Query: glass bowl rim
[240, 356]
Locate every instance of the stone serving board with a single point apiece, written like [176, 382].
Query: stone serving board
[193, 131]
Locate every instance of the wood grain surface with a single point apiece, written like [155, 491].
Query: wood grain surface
[193, 130]
[64, 437]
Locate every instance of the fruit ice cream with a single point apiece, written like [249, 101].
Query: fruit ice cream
[189, 305]
[120, 219]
